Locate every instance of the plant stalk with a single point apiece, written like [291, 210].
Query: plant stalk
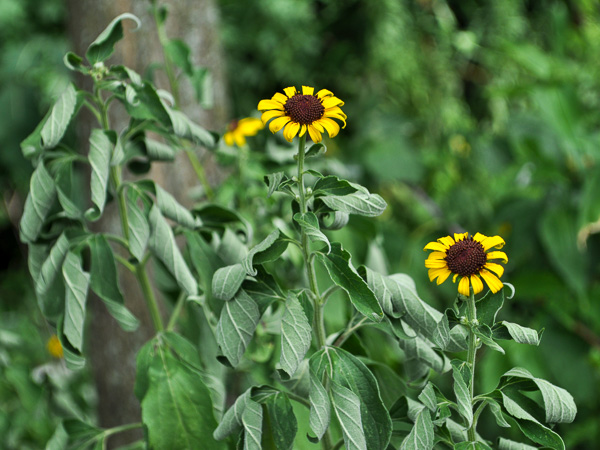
[472, 353]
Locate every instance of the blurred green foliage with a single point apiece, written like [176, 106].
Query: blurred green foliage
[464, 115]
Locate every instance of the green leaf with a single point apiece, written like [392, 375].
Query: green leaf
[310, 224]
[428, 398]
[185, 128]
[76, 282]
[320, 405]
[139, 228]
[104, 282]
[158, 151]
[104, 45]
[62, 112]
[273, 180]
[232, 419]
[59, 439]
[421, 435]
[342, 273]
[176, 407]
[507, 444]
[268, 250]
[239, 318]
[360, 203]
[332, 185]
[172, 209]
[559, 404]
[42, 192]
[295, 335]
[497, 412]
[283, 423]
[252, 423]
[81, 431]
[540, 434]
[489, 306]
[101, 148]
[227, 281]
[316, 150]
[484, 333]
[179, 53]
[461, 391]
[346, 405]
[522, 335]
[472, 446]
[73, 358]
[75, 62]
[163, 245]
[52, 265]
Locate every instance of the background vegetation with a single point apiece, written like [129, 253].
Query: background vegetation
[463, 115]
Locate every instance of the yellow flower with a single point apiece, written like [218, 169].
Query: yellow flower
[54, 347]
[239, 129]
[467, 257]
[300, 113]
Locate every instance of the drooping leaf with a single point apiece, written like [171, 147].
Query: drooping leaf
[518, 333]
[104, 45]
[360, 203]
[268, 250]
[185, 128]
[176, 407]
[342, 273]
[284, 425]
[295, 335]
[461, 391]
[316, 150]
[139, 228]
[227, 280]
[421, 437]
[104, 282]
[76, 283]
[172, 209]
[232, 419]
[252, 422]
[62, 112]
[239, 318]
[273, 181]
[484, 333]
[73, 358]
[163, 245]
[346, 405]
[52, 265]
[320, 405]
[42, 192]
[310, 224]
[101, 148]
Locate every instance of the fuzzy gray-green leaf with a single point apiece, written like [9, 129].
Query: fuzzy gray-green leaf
[55, 126]
[522, 335]
[310, 224]
[421, 436]
[320, 405]
[295, 335]
[104, 45]
[252, 423]
[227, 281]
[236, 326]
[346, 405]
[463, 399]
[100, 154]
[76, 287]
[360, 203]
[42, 192]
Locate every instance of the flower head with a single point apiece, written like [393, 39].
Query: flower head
[467, 257]
[302, 112]
[239, 129]
[54, 347]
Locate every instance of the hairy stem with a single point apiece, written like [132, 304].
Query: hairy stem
[472, 353]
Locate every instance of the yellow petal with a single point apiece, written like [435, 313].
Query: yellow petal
[307, 90]
[265, 105]
[463, 286]
[493, 241]
[279, 97]
[437, 255]
[240, 140]
[290, 91]
[496, 268]
[302, 130]
[497, 255]
[324, 93]
[435, 263]
[477, 284]
[447, 241]
[314, 134]
[268, 115]
[330, 102]
[278, 123]
[454, 278]
[338, 116]
[291, 130]
[228, 138]
[250, 126]
[436, 246]
[460, 236]
[443, 275]
[436, 273]
[318, 126]
[492, 280]
[479, 237]
[332, 128]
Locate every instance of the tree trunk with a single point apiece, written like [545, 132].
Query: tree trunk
[112, 350]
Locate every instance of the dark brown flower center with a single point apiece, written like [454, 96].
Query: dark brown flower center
[466, 257]
[304, 109]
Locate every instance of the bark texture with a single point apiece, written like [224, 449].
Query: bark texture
[195, 22]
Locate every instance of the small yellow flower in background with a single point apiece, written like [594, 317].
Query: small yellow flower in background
[300, 113]
[467, 257]
[239, 129]
[54, 347]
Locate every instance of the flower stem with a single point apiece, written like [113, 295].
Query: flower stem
[142, 276]
[319, 324]
[472, 353]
